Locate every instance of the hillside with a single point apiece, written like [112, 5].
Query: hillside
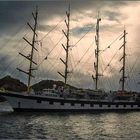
[44, 84]
[13, 84]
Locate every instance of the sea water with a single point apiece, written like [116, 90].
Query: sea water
[70, 126]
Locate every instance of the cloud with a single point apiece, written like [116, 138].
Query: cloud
[45, 28]
[114, 15]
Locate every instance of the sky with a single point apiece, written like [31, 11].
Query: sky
[115, 16]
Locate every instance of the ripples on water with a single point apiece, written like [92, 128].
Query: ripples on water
[70, 126]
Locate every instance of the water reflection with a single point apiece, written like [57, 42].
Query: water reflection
[70, 126]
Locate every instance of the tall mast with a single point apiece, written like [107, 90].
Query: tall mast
[123, 59]
[30, 56]
[66, 48]
[96, 64]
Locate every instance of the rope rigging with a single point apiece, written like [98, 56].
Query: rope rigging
[109, 46]
[35, 42]
[110, 61]
[11, 63]
[74, 67]
[79, 61]
[81, 38]
[52, 29]
[54, 65]
[46, 57]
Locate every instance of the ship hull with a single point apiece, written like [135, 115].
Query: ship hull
[21, 102]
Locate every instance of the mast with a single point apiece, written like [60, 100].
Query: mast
[123, 59]
[66, 48]
[96, 64]
[30, 56]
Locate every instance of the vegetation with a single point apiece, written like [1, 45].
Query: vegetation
[12, 84]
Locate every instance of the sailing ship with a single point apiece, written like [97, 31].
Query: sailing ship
[65, 99]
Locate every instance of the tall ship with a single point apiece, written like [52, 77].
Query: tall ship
[63, 98]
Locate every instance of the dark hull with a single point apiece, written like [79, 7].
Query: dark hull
[36, 103]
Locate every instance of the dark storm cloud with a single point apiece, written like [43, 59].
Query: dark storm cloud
[15, 14]
[5, 59]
